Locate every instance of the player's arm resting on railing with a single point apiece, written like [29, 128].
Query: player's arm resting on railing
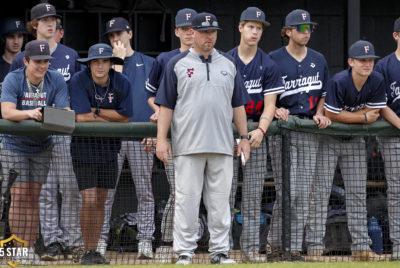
[319, 118]
[111, 115]
[364, 116]
[9, 111]
[265, 120]
[390, 116]
[240, 120]
[163, 148]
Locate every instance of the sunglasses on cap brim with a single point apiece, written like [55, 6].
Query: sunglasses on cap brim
[302, 28]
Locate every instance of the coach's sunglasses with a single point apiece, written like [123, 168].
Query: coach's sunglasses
[301, 28]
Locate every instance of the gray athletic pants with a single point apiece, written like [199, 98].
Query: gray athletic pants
[303, 153]
[141, 165]
[390, 150]
[60, 226]
[210, 175]
[254, 174]
[351, 155]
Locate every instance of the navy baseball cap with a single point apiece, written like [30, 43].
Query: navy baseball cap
[116, 25]
[59, 26]
[297, 17]
[205, 21]
[362, 50]
[101, 51]
[37, 50]
[12, 25]
[43, 10]
[254, 14]
[184, 17]
[397, 25]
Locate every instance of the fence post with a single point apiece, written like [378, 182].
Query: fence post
[286, 195]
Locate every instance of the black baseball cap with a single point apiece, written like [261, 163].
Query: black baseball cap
[38, 50]
[362, 50]
[101, 51]
[43, 10]
[297, 17]
[184, 17]
[397, 25]
[12, 25]
[205, 21]
[116, 25]
[254, 14]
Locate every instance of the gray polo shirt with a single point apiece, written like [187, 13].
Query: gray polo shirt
[202, 92]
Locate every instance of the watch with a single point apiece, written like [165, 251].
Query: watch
[247, 137]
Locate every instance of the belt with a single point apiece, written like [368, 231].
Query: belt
[302, 116]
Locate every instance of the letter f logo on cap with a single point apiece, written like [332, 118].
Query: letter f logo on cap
[101, 49]
[17, 24]
[111, 23]
[366, 48]
[188, 15]
[41, 47]
[258, 14]
[304, 15]
[48, 7]
[208, 18]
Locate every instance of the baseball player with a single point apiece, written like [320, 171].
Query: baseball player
[201, 93]
[263, 81]
[12, 36]
[354, 95]
[389, 67]
[136, 67]
[183, 30]
[27, 158]
[305, 74]
[98, 94]
[60, 229]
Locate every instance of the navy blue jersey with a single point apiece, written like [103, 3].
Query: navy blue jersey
[137, 68]
[342, 95]
[389, 67]
[304, 81]
[157, 70]
[64, 61]
[117, 96]
[261, 76]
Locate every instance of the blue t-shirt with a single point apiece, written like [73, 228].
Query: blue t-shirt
[64, 61]
[261, 76]
[117, 96]
[342, 95]
[304, 81]
[389, 67]
[15, 90]
[137, 68]
[157, 71]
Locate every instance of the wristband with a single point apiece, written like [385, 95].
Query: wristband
[262, 130]
[265, 118]
[366, 117]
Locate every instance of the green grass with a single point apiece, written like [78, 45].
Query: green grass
[264, 265]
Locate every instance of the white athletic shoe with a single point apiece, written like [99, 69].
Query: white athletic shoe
[184, 259]
[145, 249]
[221, 259]
[165, 254]
[102, 247]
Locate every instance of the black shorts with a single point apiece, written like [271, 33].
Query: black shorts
[100, 175]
